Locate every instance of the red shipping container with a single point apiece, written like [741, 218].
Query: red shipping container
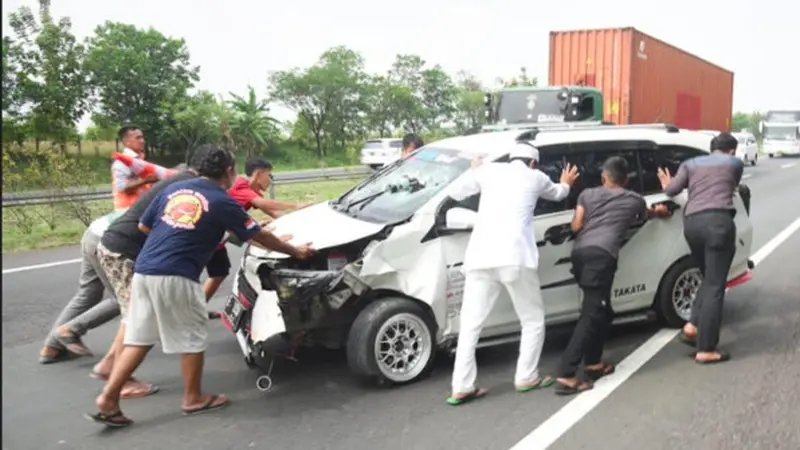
[643, 79]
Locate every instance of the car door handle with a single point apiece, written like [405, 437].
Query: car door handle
[556, 235]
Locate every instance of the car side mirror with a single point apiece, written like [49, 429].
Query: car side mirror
[460, 219]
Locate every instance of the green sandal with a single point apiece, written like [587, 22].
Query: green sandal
[539, 383]
[474, 395]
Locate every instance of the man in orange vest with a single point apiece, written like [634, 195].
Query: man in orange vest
[125, 185]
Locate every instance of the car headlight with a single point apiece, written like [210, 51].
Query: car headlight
[300, 285]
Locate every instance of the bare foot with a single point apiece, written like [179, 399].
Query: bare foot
[137, 389]
[690, 330]
[49, 352]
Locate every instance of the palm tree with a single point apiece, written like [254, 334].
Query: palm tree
[251, 123]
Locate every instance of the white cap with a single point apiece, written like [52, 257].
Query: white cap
[520, 150]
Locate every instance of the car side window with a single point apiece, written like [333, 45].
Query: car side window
[552, 159]
[668, 156]
[590, 157]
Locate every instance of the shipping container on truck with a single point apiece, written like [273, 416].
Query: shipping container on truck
[643, 79]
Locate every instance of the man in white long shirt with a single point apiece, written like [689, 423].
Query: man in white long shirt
[502, 254]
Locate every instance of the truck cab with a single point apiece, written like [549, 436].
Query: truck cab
[526, 106]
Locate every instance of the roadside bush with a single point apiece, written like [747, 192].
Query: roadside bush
[58, 174]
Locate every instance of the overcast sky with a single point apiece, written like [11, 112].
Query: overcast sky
[238, 42]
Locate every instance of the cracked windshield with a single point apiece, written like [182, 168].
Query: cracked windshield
[398, 191]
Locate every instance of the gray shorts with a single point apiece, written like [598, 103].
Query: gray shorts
[169, 309]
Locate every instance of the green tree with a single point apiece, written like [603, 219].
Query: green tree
[98, 132]
[470, 111]
[741, 121]
[192, 121]
[51, 78]
[10, 71]
[327, 96]
[519, 80]
[139, 75]
[429, 96]
[251, 124]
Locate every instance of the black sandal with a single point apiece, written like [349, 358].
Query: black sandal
[596, 374]
[208, 406]
[112, 420]
[565, 389]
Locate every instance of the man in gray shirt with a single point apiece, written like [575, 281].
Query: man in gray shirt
[711, 234]
[602, 217]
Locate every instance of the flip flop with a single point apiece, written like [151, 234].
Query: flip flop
[539, 383]
[73, 344]
[62, 355]
[152, 389]
[111, 420]
[474, 395]
[563, 389]
[209, 406]
[596, 374]
[723, 356]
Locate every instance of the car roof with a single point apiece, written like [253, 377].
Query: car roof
[496, 144]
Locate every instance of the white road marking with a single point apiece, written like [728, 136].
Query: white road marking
[41, 266]
[746, 176]
[786, 166]
[559, 423]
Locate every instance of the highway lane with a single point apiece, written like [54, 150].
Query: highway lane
[316, 404]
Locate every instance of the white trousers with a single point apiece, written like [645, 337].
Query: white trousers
[481, 290]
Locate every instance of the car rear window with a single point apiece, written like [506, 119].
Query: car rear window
[396, 144]
[374, 144]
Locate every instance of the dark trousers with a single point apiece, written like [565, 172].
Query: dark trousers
[711, 236]
[594, 269]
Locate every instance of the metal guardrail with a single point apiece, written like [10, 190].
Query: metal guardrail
[83, 194]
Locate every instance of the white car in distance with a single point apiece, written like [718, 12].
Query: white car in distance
[377, 153]
[387, 281]
[747, 150]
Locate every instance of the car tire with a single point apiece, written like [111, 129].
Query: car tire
[375, 166]
[754, 161]
[685, 272]
[770, 155]
[381, 319]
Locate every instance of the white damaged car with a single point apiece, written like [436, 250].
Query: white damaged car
[387, 282]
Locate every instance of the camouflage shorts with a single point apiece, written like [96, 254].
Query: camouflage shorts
[119, 271]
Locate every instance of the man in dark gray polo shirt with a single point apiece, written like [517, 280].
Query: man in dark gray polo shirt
[711, 234]
[602, 217]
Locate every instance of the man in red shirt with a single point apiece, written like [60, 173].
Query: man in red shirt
[249, 193]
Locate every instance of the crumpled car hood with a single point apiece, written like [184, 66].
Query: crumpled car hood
[320, 225]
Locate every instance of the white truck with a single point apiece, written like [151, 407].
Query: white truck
[781, 131]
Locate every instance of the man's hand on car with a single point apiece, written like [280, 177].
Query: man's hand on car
[569, 174]
[664, 177]
[660, 210]
[152, 178]
[304, 251]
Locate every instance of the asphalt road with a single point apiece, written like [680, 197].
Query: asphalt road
[670, 403]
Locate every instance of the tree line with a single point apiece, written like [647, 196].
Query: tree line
[127, 75]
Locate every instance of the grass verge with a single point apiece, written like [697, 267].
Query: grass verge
[69, 230]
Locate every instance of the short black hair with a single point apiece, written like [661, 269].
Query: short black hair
[256, 163]
[125, 130]
[724, 142]
[412, 139]
[616, 169]
[212, 161]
